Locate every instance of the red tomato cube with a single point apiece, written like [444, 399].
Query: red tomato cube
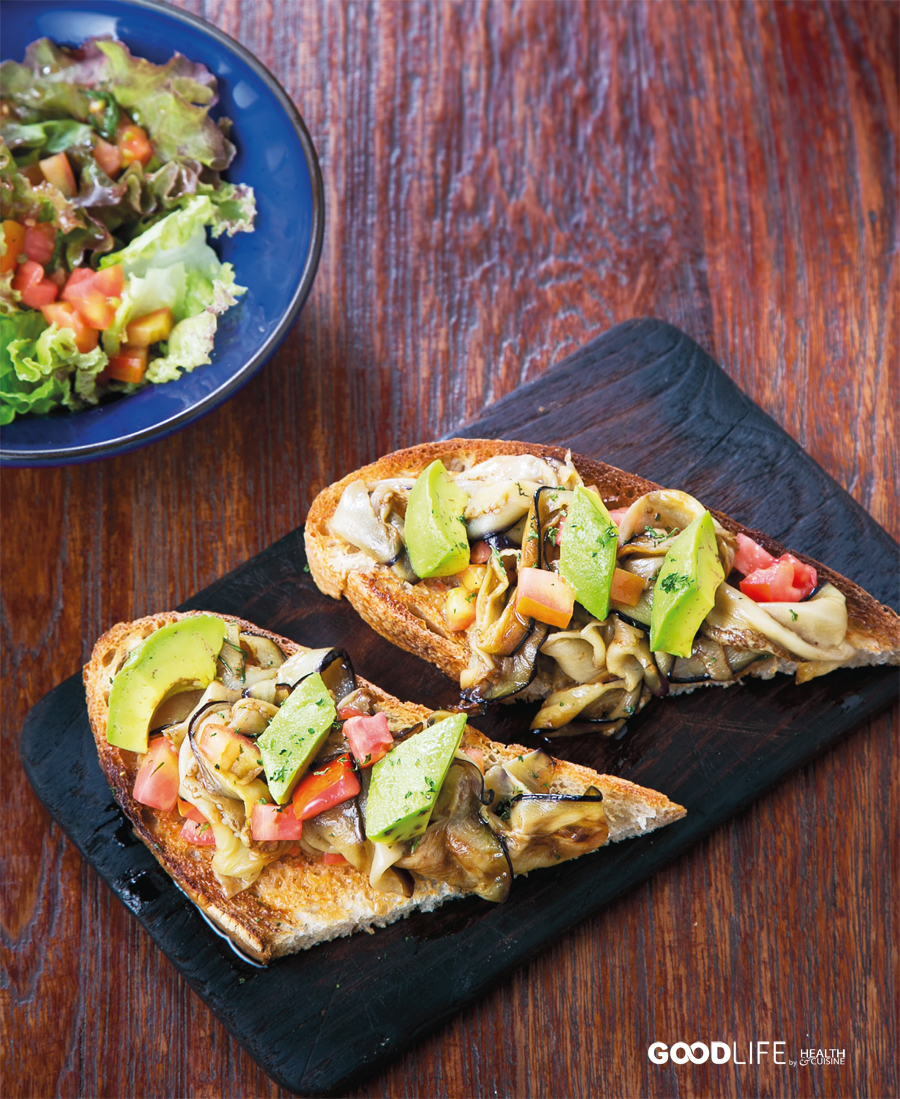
[40, 240]
[545, 596]
[199, 833]
[369, 737]
[187, 809]
[65, 315]
[129, 365]
[751, 556]
[35, 290]
[108, 157]
[156, 783]
[110, 281]
[58, 171]
[787, 580]
[133, 143]
[273, 823]
[326, 787]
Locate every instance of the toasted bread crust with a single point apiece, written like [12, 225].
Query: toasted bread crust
[377, 594]
[297, 901]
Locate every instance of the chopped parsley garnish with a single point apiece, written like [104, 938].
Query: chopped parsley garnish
[675, 582]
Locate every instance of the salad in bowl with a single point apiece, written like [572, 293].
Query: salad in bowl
[110, 185]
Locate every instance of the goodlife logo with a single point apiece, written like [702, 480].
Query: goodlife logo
[719, 1053]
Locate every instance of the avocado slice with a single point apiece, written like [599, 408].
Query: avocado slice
[685, 589]
[435, 530]
[406, 783]
[176, 658]
[587, 551]
[295, 735]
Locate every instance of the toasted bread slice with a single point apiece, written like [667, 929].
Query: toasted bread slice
[299, 901]
[399, 612]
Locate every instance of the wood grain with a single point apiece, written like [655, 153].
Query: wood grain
[504, 182]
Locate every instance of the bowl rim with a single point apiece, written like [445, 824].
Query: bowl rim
[31, 458]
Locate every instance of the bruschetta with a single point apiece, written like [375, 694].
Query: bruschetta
[528, 572]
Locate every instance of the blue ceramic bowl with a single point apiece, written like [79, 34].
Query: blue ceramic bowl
[277, 262]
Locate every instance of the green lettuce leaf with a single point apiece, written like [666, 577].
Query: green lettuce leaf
[171, 264]
[41, 369]
[53, 136]
[9, 298]
[171, 101]
[190, 343]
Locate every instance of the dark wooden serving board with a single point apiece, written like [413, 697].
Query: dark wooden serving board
[643, 397]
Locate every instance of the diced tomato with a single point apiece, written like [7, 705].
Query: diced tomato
[370, 739]
[617, 515]
[40, 240]
[29, 274]
[545, 596]
[751, 556]
[80, 274]
[95, 294]
[14, 236]
[273, 823]
[626, 587]
[325, 787]
[128, 366]
[199, 833]
[350, 711]
[65, 315]
[108, 157]
[459, 609]
[151, 328]
[58, 277]
[133, 144]
[786, 581]
[58, 171]
[186, 809]
[110, 280]
[156, 784]
[332, 858]
[35, 290]
[480, 553]
[228, 750]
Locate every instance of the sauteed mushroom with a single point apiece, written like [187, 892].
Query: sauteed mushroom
[459, 847]
[355, 521]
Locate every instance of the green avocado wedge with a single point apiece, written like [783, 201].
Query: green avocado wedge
[587, 551]
[295, 734]
[685, 589]
[406, 783]
[434, 529]
[176, 658]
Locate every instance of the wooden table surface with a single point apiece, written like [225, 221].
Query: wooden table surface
[504, 182]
